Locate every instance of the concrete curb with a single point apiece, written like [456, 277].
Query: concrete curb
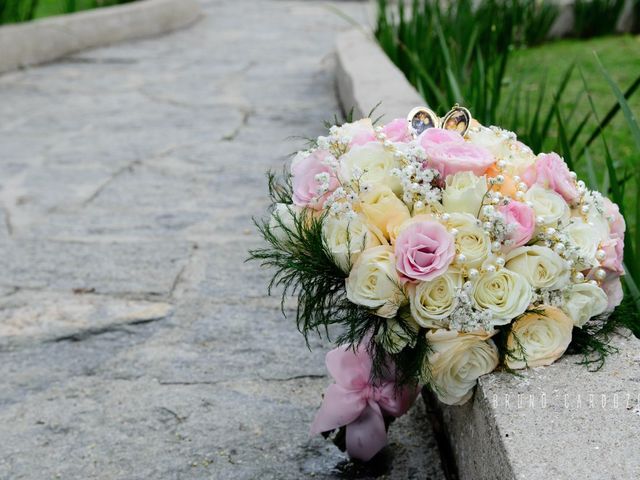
[494, 436]
[366, 77]
[45, 40]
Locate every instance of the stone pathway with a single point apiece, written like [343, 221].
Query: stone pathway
[135, 343]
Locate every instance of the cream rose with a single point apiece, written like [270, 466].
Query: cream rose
[463, 193]
[584, 301]
[541, 266]
[373, 281]
[549, 206]
[504, 293]
[456, 361]
[346, 238]
[538, 338]
[431, 302]
[471, 240]
[370, 163]
[586, 238]
[383, 209]
[282, 219]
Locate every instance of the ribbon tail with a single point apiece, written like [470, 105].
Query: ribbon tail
[339, 407]
[366, 435]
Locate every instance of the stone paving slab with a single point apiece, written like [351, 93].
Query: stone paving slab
[135, 342]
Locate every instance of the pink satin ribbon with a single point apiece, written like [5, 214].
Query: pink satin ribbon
[355, 402]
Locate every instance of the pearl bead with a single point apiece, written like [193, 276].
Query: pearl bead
[418, 205]
[487, 210]
[398, 155]
[487, 225]
[453, 231]
[501, 165]
[381, 136]
[500, 179]
[495, 246]
[491, 268]
[584, 209]
[600, 274]
[578, 277]
[519, 195]
[540, 220]
[473, 273]
[522, 187]
[550, 231]
[516, 179]
[446, 217]
[500, 261]
[461, 258]
[593, 282]
[559, 248]
[387, 144]
[601, 255]
[573, 175]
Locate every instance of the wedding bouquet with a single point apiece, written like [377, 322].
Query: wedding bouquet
[442, 250]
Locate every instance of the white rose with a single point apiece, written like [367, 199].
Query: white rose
[375, 164]
[538, 338]
[373, 281]
[584, 301]
[504, 146]
[541, 266]
[431, 302]
[463, 193]
[346, 238]
[456, 361]
[504, 293]
[471, 241]
[548, 205]
[282, 219]
[586, 238]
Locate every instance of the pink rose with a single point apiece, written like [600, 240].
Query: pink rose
[397, 130]
[612, 286]
[424, 251]
[305, 185]
[552, 172]
[522, 219]
[448, 153]
[616, 220]
[614, 249]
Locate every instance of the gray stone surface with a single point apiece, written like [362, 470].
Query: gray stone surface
[366, 77]
[561, 422]
[135, 343]
[47, 39]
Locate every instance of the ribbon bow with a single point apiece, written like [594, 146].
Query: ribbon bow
[359, 404]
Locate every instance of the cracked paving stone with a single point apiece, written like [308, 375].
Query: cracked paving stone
[130, 175]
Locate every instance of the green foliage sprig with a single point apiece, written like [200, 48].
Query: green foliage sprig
[304, 266]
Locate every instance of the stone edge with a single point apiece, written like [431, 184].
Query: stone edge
[45, 40]
[366, 77]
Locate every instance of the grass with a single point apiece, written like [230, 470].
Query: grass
[621, 57]
[48, 8]
[15, 11]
